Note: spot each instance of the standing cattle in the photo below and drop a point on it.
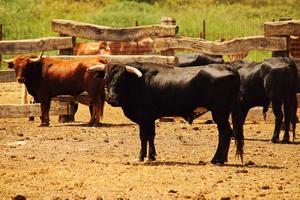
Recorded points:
(46, 78)
(273, 80)
(147, 92)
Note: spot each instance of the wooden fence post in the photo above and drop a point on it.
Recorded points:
(0, 39)
(287, 52)
(137, 42)
(168, 21)
(68, 51)
(203, 29)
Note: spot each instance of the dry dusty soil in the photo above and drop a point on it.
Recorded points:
(73, 161)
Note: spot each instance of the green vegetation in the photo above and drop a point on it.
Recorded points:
(227, 19)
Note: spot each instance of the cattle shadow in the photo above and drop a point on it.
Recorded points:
(203, 163)
(102, 125)
(251, 166)
(260, 140)
(269, 141)
(172, 163)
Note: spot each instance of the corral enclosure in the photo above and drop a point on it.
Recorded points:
(79, 162)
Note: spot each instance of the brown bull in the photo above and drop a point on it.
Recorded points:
(46, 78)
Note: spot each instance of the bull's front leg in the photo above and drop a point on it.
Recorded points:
(147, 134)
(45, 107)
(151, 136)
(143, 150)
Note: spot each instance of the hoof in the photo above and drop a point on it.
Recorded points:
(44, 125)
(31, 119)
(141, 159)
(96, 124)
(151, 158)
(273, 140)
(217, 162)
(285, 141)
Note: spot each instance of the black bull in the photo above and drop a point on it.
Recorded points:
(147, 92)
(272, 81)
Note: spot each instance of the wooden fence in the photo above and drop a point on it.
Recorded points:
(277, 37)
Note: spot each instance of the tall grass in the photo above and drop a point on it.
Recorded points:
(23, 19)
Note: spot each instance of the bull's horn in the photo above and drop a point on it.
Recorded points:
(133, 70)
(96, 68)
(38, 58)
(8, 60)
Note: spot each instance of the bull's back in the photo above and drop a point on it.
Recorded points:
(184, 90)
(67, 77)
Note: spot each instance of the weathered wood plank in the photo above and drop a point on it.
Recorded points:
(32, 110)
(124, 59)
(104, 33)
(7, 76)
(34, 45)
(282, 28)
(82, 98)
(233, 46)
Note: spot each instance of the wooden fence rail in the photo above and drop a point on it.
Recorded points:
(125, 59)
(234, 46)
(33, 110)
(104, 33)
(34, 45)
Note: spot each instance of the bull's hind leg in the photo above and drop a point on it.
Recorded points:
(225, 133)
(276, 107)
(287, 120)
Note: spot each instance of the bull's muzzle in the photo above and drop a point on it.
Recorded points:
(112, 101)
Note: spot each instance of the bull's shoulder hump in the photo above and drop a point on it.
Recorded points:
(218, 70)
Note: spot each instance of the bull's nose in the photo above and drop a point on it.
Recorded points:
(20, 80)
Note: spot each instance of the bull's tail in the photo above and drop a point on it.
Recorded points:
(294, 115)
(237, 117)
(292, 104)
(237, 122)
(102, 102)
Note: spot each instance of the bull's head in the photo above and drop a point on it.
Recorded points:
(115, 77)
(20, 64)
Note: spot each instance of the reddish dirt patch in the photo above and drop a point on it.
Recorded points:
(78, 162)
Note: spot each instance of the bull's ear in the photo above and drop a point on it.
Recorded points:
(9, 63)
(134, 71)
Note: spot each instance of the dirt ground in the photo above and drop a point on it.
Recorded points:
(73, 161)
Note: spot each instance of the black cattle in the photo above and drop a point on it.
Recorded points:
(198, 59)
(147, 92)
(272, 81)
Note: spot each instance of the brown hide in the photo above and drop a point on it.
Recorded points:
(92, 48)
(50, 77)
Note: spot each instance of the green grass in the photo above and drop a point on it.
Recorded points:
(24, 19)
